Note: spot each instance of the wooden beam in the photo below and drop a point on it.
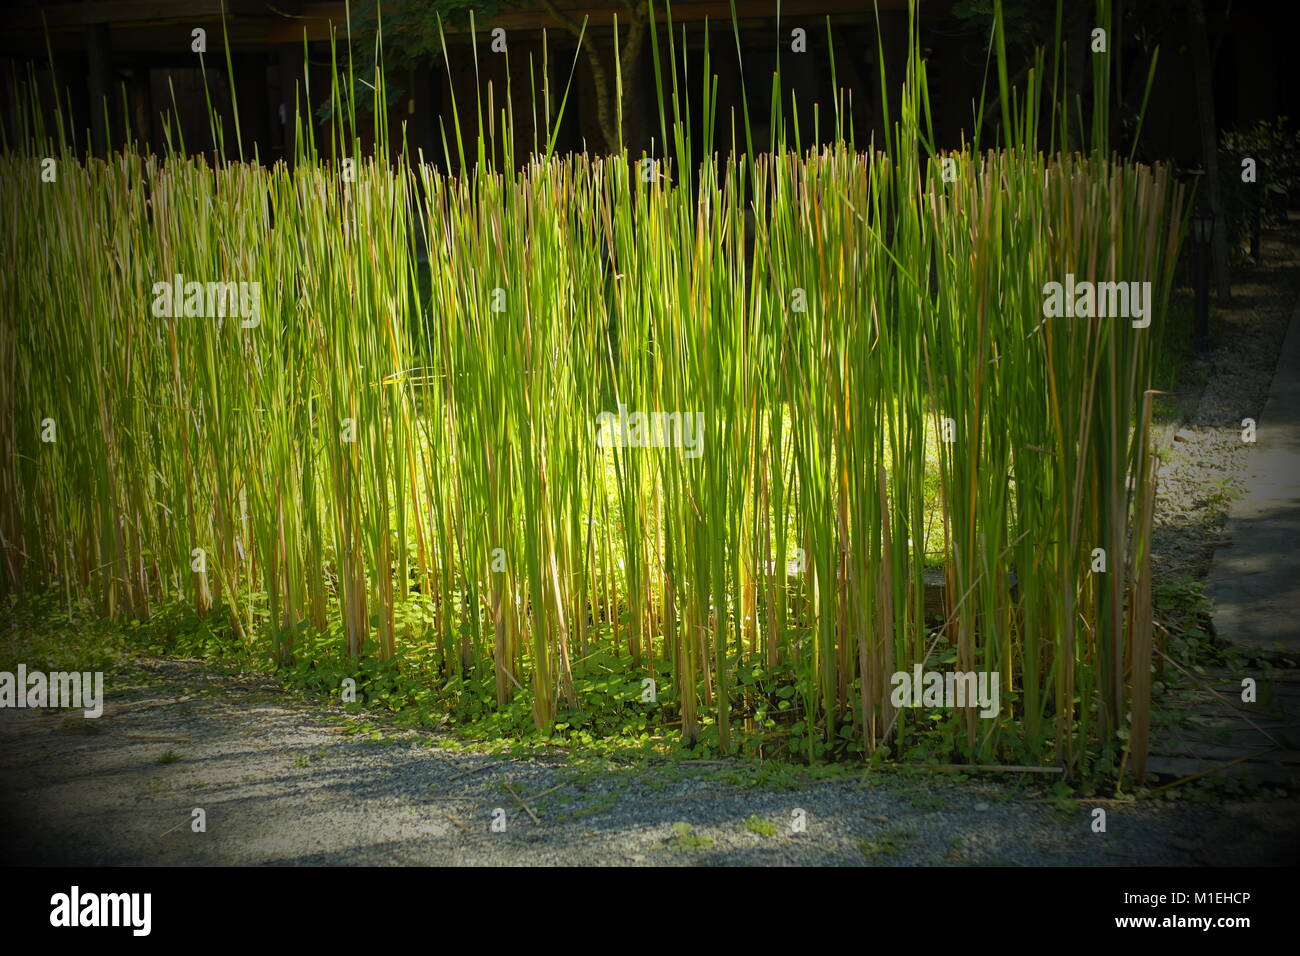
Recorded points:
(152, 25)
(316, 18)
(57, 15)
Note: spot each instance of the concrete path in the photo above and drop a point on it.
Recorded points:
(1254, 581)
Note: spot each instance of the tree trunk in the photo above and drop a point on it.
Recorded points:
(1200, 50)
(606, 114)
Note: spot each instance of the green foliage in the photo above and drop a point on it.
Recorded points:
(889, 844)
(46, 634)
(685, 838)
(406, 37)
(1275, 146)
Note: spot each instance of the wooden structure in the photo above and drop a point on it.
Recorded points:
(138, 54)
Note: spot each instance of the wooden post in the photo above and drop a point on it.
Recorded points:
(291, 87)
(421, 130)
(893, 42)
(99, 84)
(140, 97)
(251, 97)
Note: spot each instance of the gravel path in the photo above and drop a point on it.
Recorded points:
(281, 782)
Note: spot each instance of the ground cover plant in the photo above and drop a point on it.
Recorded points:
(613, 445)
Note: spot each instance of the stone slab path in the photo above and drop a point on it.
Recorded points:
(1254, 581)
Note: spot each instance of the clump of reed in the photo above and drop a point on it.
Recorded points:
(394, 435)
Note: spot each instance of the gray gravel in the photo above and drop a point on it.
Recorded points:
(1204, 456)
(280, 783)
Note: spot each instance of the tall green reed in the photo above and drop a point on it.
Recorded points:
(405, 453)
